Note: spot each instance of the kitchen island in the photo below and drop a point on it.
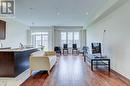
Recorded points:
(14, 61)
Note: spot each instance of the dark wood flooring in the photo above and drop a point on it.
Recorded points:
(72, 71)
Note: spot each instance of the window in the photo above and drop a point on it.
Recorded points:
(40, 39)
(63, 38)
(76, 38)
(70, 38)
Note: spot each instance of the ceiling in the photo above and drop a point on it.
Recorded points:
(57, 12)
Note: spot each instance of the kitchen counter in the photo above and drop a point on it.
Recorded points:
(14, 61)
(16, 50)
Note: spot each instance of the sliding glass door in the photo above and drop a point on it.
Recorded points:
(70, 39)
(40, 39)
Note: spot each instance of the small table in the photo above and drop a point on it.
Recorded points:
(100, 61)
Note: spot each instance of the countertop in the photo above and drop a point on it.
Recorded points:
(16, 50)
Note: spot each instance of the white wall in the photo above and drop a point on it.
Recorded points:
(116, 41)
(15, 33)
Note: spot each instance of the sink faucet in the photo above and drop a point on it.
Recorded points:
(21, 45)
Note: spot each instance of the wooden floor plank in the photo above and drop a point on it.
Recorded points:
(72, 71)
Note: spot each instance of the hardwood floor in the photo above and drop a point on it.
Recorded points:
(72, 71)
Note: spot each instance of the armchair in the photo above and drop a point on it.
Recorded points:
(57, 49)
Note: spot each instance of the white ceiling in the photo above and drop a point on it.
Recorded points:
(57, 12)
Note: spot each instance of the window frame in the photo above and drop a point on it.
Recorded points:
(73, 40)
(42, 34)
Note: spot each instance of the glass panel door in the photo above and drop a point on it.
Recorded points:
(45, 40)
(77, 39)
(70, 39)
(40, 39)
(63, 38)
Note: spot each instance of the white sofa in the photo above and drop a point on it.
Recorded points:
(42, 61)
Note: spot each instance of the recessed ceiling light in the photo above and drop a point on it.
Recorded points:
(30, 8)
(58, 13)
(86, 13)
